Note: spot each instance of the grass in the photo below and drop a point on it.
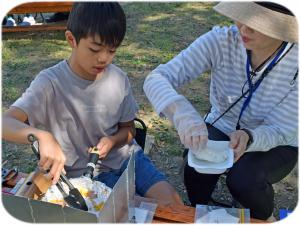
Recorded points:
(156, 32)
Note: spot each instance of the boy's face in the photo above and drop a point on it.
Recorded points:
(90, 57)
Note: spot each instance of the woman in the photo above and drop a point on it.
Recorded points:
(254, 99)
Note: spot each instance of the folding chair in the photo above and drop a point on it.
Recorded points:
(141, 132)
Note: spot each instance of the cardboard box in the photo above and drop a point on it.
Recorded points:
(119, 207)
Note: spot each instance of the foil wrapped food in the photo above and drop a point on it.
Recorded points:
(95, 193)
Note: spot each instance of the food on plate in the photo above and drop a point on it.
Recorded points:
(216, 151)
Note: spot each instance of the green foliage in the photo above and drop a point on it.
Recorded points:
(165, 135)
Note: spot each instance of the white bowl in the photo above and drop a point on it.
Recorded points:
(206, 167)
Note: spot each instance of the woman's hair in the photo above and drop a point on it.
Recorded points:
(106, 19)
(275, 7)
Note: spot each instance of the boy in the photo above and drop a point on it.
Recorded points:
(86, 101)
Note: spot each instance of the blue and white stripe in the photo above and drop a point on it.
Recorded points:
(272, 115)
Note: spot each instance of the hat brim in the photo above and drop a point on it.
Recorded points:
(271, 23)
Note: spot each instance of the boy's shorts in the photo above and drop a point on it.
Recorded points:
(146, 174)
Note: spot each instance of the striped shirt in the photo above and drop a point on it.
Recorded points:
(271, 116)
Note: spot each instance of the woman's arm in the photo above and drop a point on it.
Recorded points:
(199, 57)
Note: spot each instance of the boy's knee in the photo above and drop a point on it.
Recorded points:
(164, 193)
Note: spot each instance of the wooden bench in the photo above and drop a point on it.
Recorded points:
(39, 7)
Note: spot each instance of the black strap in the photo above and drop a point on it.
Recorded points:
(246, 92)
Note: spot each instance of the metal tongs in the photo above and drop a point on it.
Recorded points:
(74, 198)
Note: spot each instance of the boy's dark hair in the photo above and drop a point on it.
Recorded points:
(106, 19)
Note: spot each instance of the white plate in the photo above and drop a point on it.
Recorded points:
(203, 166)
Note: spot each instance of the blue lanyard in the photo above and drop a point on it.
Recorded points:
(253, 87)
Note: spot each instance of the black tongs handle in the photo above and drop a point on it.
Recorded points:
(35, 148)
(34, 145)
(66, 180)
(61, 188)
(74, 198)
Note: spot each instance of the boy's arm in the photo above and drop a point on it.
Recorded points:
(15, 129)
(124, 135)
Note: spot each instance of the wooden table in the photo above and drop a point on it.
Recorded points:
(176, 213)
(39, 7)
(181, 214)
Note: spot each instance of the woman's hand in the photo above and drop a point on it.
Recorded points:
(51, 156)
(238, 142)
(189, 124)
(194, 137)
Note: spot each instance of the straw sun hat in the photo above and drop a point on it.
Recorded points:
(268, 18)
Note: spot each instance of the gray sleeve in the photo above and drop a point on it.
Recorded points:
(129, 106)
(34, 100)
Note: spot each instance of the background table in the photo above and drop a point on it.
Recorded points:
(39, 7)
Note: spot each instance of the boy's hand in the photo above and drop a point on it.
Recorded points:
(104, 146)
(238, 142)
(51, 156)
